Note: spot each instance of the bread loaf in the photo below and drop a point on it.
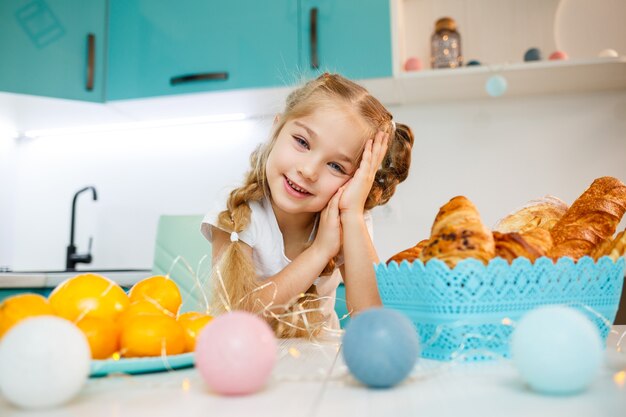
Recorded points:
(542, 213)
(591, 219)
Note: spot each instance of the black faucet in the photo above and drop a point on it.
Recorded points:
(74, 258)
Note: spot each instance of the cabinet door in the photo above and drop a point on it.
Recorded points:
(48, 46)
(160, 47)
(351, 37)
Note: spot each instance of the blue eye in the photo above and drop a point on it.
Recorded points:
(336, 167)
(301, 142)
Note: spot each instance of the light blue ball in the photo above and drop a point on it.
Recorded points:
(496, 85)
(380, 347)
(556, 350)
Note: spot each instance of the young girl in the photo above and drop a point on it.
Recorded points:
(300, 222)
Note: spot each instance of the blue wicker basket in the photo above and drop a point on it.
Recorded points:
(469, 311)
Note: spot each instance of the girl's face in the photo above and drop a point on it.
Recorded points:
(312, 157)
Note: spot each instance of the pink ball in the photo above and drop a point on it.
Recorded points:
(413, 64)
(557, 55)
(235, 353)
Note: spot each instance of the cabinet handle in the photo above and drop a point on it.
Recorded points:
(91, 60)
(182, 79)
(315, 64)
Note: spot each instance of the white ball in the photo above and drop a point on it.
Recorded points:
(608, 53)
(44, 362)
(557, 350)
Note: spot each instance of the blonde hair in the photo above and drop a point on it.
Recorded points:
(235, 279)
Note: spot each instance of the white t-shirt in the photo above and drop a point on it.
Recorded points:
(268, 249)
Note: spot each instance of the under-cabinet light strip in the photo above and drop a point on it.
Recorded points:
(62, 131)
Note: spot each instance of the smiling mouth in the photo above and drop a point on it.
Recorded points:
(297, 188)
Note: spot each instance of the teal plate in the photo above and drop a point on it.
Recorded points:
(135, 366)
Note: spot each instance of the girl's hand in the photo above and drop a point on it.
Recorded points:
(359, 186)
(328, 239)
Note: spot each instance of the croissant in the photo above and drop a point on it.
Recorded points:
(532, 245)
(409, 254)
(539, 238)
(592, 219)
(543, 213)
(457, 234)
(613, 248)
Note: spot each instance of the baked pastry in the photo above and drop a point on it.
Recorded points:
(457, 234)
(591, 219)
(542, 213)
(539, 238)
(613, 248)
(532, 245)
(409, 254)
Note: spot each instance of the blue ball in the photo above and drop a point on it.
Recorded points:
(533, 54)
(473, 63)
(556, 350)
(380, 347)
(496, 85)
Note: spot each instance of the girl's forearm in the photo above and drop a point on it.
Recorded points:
(296, 278)
(359, 256)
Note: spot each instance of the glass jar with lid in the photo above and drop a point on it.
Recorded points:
(445, 45)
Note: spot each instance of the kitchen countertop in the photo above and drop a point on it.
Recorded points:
(50, 279)
(311, 379)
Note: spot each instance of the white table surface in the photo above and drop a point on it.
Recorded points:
(311, 379)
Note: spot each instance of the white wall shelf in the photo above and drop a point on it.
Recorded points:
(524, 79)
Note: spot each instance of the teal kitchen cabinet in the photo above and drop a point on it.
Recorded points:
(105, 50)
(162, 47)
(351, 37)
(53, 48)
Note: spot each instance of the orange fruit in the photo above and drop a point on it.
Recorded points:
(193, 322)
(18, 307)
(142, 307)
(103, 335)
(152, 335)
(158, 289)
(88, 295)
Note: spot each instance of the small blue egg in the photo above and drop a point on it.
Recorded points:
(496, 85)
(472, 63)
(533, 54)
(380, 347)
(557, 350)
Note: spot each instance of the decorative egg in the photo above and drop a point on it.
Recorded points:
(496, 85)
(413, 64)
(44, 362)
(558, 55)
(533, 54)
(380, 347)
(556, 350)
(236, 353)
